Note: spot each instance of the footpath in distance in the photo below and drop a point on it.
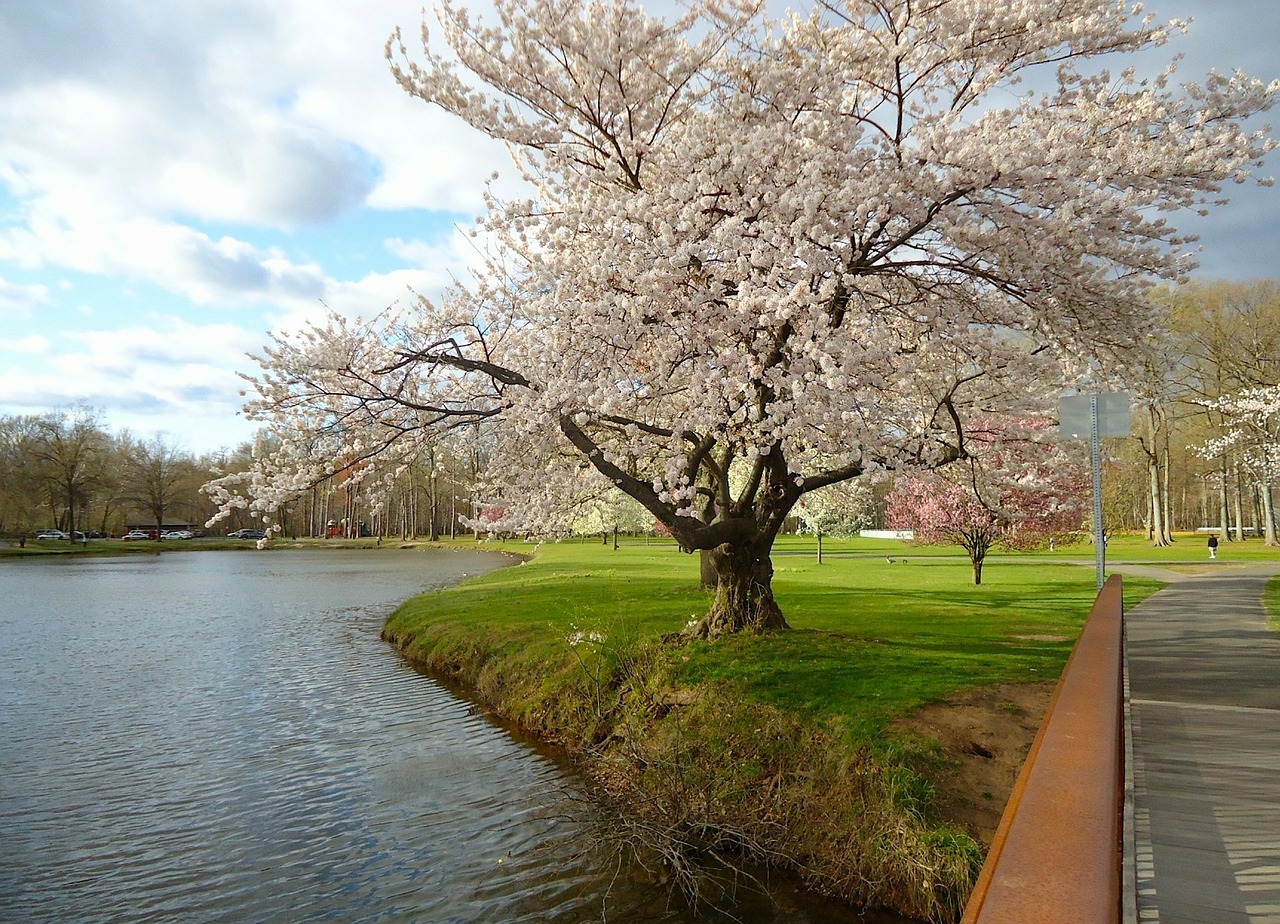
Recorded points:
(1204, 680)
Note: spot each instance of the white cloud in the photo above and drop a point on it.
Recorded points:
(34, 344)
(126, 128)
(427, 158)
(174, 376)
(21, 300)
(432, 266)
(362, 298)
(87, 151)
(275, 114)
(170, 342)
(178, 258)
(454, 255)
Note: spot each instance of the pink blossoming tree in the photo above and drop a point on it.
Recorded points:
(1014, 491)
(762, 257)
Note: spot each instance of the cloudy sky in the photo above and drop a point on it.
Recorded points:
(179, 178)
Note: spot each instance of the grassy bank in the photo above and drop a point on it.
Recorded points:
(790, 747)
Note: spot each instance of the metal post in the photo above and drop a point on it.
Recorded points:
(1108, 415)
(1095, 445)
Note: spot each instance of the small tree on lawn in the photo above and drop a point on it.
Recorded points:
(611, 512)
(1018, 494)
(836, 510)
(805, 250)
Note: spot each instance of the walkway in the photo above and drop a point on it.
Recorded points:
(1204, 676)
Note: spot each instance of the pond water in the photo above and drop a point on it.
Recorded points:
(222, 736)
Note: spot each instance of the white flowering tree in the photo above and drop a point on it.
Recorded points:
(612, 512)
(810, 248)
(1251, 424)
(837, 510)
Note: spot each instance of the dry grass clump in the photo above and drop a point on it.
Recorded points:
(741, 786)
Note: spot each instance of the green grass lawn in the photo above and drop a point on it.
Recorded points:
(872, 639)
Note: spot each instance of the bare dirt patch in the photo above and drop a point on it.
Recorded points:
(985, 736)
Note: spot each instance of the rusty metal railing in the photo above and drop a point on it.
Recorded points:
(1057, 856)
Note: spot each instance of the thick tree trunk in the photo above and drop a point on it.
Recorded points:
(743, 593)
(977, 569)
(709, 578)
(435, 511)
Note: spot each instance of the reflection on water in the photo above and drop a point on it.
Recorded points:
(221, 736)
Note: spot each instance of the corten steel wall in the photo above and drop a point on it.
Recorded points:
(1056, 856)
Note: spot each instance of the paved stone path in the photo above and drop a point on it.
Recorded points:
(1204, 680)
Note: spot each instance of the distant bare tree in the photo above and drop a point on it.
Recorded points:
(154, 477)
(20, 483)
(69, 448)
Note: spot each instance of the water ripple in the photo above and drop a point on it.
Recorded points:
(222, 737)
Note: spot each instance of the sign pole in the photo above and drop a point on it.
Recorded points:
(1098, 415)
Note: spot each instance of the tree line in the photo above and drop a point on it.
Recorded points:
(1206, 429)
(67, 470)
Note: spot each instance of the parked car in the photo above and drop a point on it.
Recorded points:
(249, 534)
(50, 534)
(135, 534)
(178, 534)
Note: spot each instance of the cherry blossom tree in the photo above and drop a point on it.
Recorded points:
(763, 257)
(612, 512)
(1016, 492)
